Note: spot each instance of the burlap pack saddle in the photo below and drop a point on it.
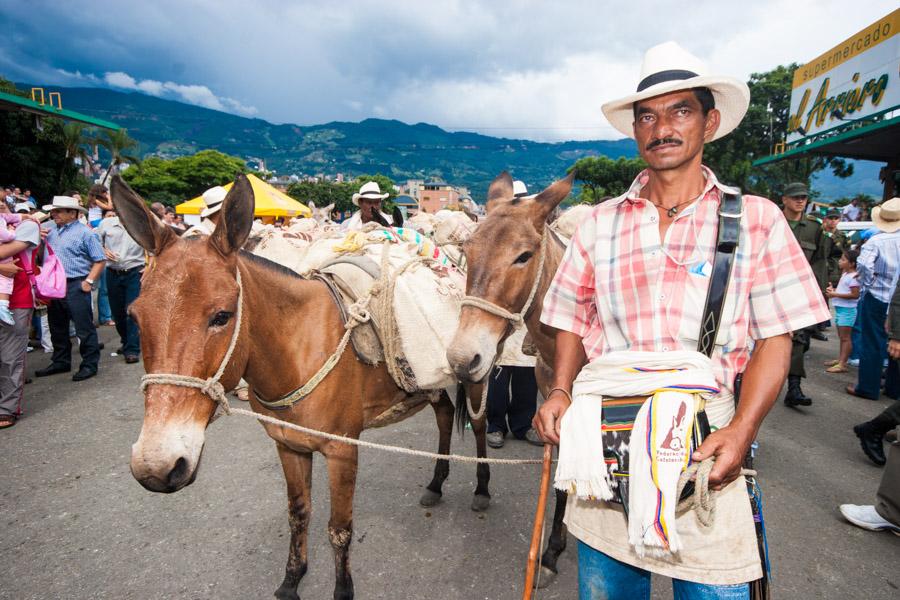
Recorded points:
(619, 414)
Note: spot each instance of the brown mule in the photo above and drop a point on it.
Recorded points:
(503, 257)
(186, 312)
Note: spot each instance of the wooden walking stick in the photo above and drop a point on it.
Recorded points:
(537, 531)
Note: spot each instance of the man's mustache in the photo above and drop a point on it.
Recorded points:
(660, 141)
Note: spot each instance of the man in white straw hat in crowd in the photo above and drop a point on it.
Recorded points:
(878, 268)
(213, 199)
(628, 301)
(82, 258)
(368, 199)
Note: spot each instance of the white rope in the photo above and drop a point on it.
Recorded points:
(393, 449)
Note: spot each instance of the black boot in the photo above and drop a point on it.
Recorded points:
(794, 395)
(871, 436)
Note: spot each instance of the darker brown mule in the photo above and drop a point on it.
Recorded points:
(186, 312)
(503, 257)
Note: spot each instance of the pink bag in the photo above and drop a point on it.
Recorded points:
(50, 282)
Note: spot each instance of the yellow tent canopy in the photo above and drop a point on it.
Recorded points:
(270, 202)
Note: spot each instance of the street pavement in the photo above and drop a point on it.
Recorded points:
(77, 525)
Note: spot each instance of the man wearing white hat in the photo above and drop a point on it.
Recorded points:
(82, 258)
(631, 291)
(213, 199)
(368, 199)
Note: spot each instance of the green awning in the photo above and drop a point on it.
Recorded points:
(13, 102)
(876, 141)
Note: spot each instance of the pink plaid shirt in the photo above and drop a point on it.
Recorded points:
(619, 288)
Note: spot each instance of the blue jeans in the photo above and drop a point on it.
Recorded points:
(871, 313)
(124, 288)
(856, 334)
(603, 578)
(104, 314)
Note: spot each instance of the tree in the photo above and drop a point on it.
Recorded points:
(174, 181)
(601, 176)
(323, 193)
(121, 148)
(763, 126)
(75, 140)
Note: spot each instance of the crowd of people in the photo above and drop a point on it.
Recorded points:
(59, 267)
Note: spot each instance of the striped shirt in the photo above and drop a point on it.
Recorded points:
(878, 265)
(77, 248)
(619, 288)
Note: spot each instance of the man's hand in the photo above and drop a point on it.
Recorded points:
(86, 287)
(728, 445)
(894, 349)
(548, 417)
(9, 269)
(110, 254)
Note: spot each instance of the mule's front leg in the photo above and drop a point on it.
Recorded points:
(443, 413)
(555, 544)
(482, 498)
(298, 475)
(342, 462)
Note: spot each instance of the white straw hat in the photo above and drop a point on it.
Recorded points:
(886, 216)
(519, 189)
(670, 68)
(370, 191)
(64, 203)
(213, 198)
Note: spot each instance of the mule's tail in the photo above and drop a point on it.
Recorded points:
(461, 412)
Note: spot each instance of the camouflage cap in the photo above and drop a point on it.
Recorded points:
(795, 189)
(833, 213)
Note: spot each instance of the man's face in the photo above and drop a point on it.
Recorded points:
(671, 129)
(795, 203)
(63, 216)
(830, 223)
(368, 207)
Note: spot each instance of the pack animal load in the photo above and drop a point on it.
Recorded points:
(406, 287)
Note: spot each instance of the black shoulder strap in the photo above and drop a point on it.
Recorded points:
(731, 209)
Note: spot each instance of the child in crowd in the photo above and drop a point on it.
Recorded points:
(844, 300)
(7, 234)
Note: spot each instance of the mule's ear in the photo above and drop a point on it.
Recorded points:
(501, 190)
(328, 209)
(311, 206)
(143, 226)
(550, 198)
(236, 221)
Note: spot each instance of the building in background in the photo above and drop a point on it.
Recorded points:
(437, 195)
(846, 103)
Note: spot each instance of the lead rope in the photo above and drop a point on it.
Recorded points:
(516, 319)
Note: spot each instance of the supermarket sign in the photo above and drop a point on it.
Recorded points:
(857, 78)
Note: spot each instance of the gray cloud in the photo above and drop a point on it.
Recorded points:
(515, 68)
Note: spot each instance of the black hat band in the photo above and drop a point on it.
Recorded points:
(663, 76)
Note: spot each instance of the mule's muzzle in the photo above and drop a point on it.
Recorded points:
(166, 481)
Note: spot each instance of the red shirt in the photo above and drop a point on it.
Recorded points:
(21, 295)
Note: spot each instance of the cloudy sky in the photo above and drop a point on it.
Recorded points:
(537, 70)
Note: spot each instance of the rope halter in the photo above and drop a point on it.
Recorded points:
(516, 319)
(211, 386)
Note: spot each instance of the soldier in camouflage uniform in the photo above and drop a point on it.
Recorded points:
(840, 242)
(817, 247)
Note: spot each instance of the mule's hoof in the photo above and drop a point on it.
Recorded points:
(545, 578)
(429, 499)
(286, 593)
(480, 503)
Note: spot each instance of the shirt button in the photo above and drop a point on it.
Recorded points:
(662, 296)
(653, 219)
(665, 348)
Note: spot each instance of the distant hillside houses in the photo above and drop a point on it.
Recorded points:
(433, 196)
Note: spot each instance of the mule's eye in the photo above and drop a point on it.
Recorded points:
(523, 258)
(220, 319)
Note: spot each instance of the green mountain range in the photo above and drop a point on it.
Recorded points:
(393, 148)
